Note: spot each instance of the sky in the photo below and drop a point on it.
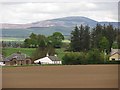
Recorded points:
(28, 12)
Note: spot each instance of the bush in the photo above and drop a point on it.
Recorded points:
(92, 57)
(74, 58)
(95, 57)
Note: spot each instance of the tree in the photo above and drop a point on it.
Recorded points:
(110, 35)
(35, 41)
(56, 39)
(118, 38)
(41, 52)
(31, 41)
(118, 41)
(75, 41)
(80, 39)
(73, 58)
(103, 44)
(108, 32)
(86, 42)
(96, 35)
(94, 57)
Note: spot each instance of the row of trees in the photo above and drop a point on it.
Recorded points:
(35, 40)
(12, 44)
(84, 38)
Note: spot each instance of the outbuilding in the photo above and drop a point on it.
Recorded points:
(48, 60)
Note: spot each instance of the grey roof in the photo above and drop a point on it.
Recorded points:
(54, 58)
(113, 51)
(17, 56)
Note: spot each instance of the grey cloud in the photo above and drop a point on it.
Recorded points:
(30, 12)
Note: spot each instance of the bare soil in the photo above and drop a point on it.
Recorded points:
(79, 76)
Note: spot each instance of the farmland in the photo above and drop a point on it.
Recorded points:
(12, 39)
(30, 51)
(79, 76)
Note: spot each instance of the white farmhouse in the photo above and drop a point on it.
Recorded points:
(48, 60)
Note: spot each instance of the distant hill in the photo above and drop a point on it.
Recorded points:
(64, 25)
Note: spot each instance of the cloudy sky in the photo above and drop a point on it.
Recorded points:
(27, 12)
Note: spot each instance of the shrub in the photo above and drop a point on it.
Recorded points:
(95, 57)
(92, 57)
(74, 58)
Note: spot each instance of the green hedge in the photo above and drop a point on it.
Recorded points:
(92, 57)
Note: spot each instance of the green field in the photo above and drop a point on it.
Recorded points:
(11, 39)
(9, 51)
(22, 39)
(29, 51)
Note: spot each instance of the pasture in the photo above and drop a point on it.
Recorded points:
(12, 39)
(9, 51)
(30, 51)
(71, 76)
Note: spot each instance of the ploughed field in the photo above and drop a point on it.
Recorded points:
(71, 76)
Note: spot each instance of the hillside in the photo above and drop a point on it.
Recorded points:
(64, 25)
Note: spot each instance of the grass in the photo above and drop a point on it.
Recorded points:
(11, 39)
(66, 41)
(28, 51)
(22, 39)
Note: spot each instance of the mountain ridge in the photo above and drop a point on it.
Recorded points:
(48, 27)
(63, 22)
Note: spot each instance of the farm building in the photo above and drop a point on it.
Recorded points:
(115, 55)
(48, 60)
(17, 59)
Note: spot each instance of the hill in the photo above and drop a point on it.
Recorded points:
(64, 25)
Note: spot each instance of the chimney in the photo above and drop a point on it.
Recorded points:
(47, 55)
(55, 55)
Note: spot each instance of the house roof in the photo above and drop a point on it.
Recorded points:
(17, 56)
(114, 54)
(44, 59)
(47, 59)
(54, 58)
(114, 51)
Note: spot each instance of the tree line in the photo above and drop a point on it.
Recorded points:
(92, 45)
(84, 38)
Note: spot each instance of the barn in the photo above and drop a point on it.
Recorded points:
(48, 60)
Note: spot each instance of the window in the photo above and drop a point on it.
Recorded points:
(113, 59)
